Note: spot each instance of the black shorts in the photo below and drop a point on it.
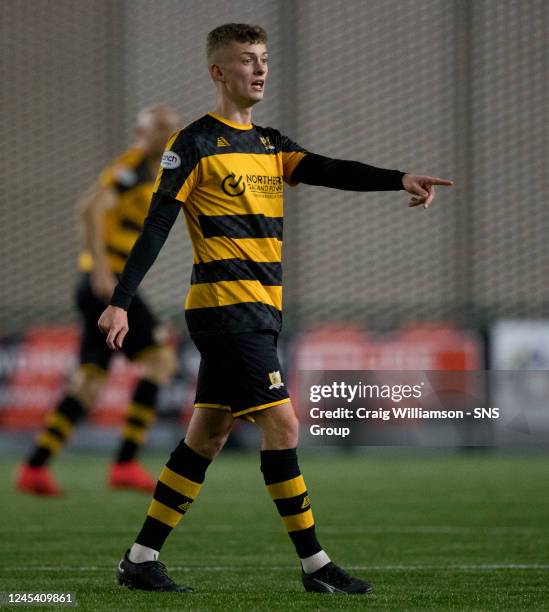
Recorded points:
(240, 373)
(93, 348)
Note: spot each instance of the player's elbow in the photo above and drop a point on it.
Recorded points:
(86, 209)
(94, 202)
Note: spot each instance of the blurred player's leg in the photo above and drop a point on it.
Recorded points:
(34, 475)
(159, 363)
(146, 343)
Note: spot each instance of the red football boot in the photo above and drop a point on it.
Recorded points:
(131, 475)
(37, 481)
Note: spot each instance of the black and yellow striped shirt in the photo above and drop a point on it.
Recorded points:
(131, 178)
(230, 180)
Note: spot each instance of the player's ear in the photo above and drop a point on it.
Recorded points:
(216, 73)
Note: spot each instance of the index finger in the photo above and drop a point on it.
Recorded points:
(439, 181)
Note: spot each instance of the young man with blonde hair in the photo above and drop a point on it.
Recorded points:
(227, 174)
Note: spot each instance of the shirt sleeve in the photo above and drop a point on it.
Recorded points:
(347, 175)
(179, 169)
(291, 154)
(120, 174)
(107, 177)
(162, 215)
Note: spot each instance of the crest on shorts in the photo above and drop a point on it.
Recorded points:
(276, 380)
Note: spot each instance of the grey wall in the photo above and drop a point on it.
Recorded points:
(509, 153)
(55, 134)
(452, 88)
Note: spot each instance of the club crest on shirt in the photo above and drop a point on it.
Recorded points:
(267, 143)
(276, 380)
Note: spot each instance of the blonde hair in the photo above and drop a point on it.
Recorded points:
(238, 32)
(146, 115)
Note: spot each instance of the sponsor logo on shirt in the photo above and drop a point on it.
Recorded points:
(233, 186)
(170, 160)
(261, 185)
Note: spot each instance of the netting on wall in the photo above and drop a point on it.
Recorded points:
(509, 154)
(455, 89)
(377, 90)
(56, 133)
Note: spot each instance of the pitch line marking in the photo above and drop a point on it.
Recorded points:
(426, 529)
(223, 568)
(438, 529)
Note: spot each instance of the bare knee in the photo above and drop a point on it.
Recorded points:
(86, 384)
(279, 427)
(208, 431)
(159, 364)
(208, 447)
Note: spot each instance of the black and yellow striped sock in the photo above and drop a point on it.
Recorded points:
(140, 416)
(289, 492)
(57, 429)
(177, 487)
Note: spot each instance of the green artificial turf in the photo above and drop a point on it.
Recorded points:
(437, 533)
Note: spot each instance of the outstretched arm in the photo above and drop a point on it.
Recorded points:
(356, 176)
(162, 215)
(343, 174)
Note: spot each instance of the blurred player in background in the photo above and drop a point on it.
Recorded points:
(112, 213)
(228, 176)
